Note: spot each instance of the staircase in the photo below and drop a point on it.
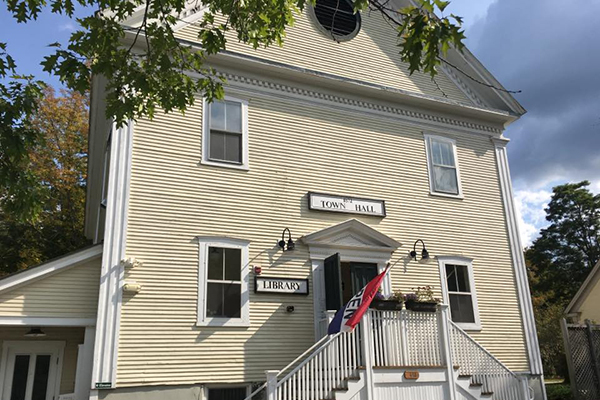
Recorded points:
(370, 363)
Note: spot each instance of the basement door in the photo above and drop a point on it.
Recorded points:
(31, 370)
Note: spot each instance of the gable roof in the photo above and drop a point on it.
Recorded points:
(49, 268)
(590, 282)
(495, 100)
(351, 234)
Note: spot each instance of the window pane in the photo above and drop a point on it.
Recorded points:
(444, 180)
(233, 148)
(217, 146)
(442, 153)
(233, 115)
(233, 302)
(461, 308)
(451, 274)
(40, 379)
(217, 115)
(233, 264)
(19, 381)
(214, 300)
(227, 394)
(462, 276)
(215, 263)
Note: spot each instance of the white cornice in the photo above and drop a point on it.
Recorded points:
(365, 105)
(466, 89)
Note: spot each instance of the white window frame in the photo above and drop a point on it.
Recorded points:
(427, 137)
(204, 244)
(245, 165)
(467, 262)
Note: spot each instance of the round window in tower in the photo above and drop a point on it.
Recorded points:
(337, 19)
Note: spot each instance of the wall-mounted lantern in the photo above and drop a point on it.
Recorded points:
(289, 246)
(424, 252)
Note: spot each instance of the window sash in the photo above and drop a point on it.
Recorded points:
(211, 309)
(459, 291)
(443, 173)
(240, 152)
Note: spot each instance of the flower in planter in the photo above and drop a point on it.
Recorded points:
(422, 294)
(379, 295)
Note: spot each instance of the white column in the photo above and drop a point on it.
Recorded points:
(85, 360)
(318, 293)
(111, 278)
(533, 349)
(443, 326)
(367, 348)
(272, 384)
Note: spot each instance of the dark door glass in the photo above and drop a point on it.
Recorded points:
(40, 379)
(19, 380)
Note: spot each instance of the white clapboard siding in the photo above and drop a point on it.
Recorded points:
(72, 337)
(294, 149)
(69, 294)
(373, 56)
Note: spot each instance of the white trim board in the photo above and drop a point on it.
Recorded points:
(111, 278)
(47, 321)
(50, 268)
(584, 290)
(518, 259)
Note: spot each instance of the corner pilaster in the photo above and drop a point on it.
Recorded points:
(533, 349)
(111, 278)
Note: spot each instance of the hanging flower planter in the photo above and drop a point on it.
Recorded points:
(421, 306)
(421, 300)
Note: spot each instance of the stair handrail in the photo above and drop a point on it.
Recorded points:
(469, 338)
(316, 344)
(330, 338)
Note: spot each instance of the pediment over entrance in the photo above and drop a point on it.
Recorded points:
(351, 234)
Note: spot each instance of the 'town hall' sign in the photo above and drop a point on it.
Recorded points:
(345, 204)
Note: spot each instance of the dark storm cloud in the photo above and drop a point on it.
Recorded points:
(550, 50)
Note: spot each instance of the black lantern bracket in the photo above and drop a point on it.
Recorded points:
(424, 252)
(290, 245)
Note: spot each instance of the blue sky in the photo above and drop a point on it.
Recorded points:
(546, 48)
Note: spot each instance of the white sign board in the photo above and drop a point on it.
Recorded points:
(264, 284)
(345, 204)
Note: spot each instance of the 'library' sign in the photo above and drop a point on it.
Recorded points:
(265, 284)
(345, 204)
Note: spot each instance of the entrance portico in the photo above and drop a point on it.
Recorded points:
(346, 251)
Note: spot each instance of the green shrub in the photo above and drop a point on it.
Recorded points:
(559, 392)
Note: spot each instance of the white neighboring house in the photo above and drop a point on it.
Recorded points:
(326, 144)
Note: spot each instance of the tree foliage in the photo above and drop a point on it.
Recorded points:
(148, 68)
(57, 163)
(559, 260)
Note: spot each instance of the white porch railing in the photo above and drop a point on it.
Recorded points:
(484, 368)
(392, 339)
(406, 338)
(325, 370)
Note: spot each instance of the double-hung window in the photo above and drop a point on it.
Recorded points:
(225, 138)
(459, 291)
(223, 282)
(444, 177)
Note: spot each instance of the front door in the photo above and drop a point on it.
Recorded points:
(344, 279)
(31, 370)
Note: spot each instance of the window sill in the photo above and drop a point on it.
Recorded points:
(243, 167)
(447, 195)
(469, 327)
(214, 322)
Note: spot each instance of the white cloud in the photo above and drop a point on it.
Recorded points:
(69, 26)
(530, 206)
